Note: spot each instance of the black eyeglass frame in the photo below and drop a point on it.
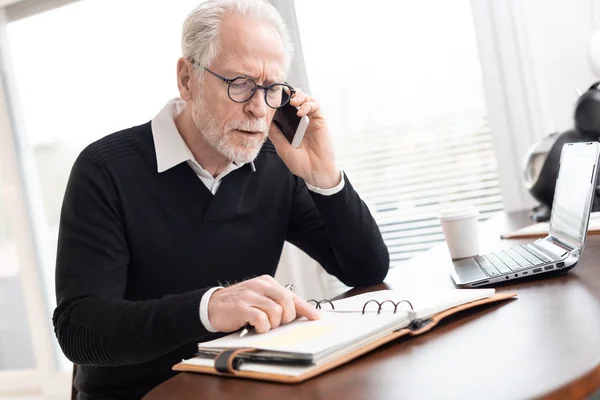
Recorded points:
(256, 86)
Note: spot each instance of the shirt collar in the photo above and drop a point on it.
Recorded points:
(171, 149)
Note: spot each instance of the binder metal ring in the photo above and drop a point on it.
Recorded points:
(386, 301)
(319, 302)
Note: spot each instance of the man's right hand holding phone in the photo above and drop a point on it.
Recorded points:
(314, 161)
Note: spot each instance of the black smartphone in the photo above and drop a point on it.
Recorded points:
(291, 125)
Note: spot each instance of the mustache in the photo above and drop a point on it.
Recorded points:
(259, 125)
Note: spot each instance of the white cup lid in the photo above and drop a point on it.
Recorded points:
(458, 213)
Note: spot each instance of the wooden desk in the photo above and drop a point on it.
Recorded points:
(546, 343)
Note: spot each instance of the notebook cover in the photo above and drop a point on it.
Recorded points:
(350, 356)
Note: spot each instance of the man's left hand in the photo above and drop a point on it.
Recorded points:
(314, 160)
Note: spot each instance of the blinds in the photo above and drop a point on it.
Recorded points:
(407, 173)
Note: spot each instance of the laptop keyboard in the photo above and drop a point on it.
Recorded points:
(511, 260)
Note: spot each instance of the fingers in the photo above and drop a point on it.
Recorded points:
(304, 309)
(298, 98)
(273, 309)
(258, 319)
(281, 296)
(260, 302)
(307, 108)
(307, 104)
(279, 304)
(285, 299)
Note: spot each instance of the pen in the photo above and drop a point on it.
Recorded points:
(248, 326)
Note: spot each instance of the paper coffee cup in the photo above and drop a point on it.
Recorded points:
(460, 226)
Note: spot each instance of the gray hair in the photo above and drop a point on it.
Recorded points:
(200, 37)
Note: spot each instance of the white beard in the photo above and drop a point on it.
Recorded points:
(233, 146)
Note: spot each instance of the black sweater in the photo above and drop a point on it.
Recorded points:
(138, 249)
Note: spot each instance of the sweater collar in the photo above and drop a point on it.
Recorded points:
(171, 149)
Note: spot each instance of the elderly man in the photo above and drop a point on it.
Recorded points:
(158, 218)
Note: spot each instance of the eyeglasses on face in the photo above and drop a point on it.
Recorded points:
(242, 88)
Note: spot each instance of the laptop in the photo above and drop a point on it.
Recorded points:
(561, 249)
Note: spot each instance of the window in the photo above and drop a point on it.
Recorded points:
(401, 87)
(78, 81)
(16, 352)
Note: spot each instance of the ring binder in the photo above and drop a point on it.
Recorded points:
(387, 301)
(287, 356)
(318, 303)
(364, 309)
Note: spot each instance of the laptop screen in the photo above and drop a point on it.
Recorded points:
(574, 191)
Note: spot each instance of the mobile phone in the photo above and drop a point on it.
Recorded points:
(291, 125)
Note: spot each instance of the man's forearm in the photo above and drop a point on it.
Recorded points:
(339, 232)
(105, 331)
(361, 254)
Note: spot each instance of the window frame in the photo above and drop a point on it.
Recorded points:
(16, 163)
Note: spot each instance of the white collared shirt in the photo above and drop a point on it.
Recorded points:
(171, 150)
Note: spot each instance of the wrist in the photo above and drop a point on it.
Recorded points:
(205, 307)
(326, 180)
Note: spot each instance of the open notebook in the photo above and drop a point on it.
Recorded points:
(348, 328)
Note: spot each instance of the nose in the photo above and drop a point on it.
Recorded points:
(257, 105)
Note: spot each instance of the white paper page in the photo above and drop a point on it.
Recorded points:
(445, 300)
(291, 370)
(425, 302)
(312, 337)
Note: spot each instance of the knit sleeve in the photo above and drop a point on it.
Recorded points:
(93, 322)
(339, 232)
